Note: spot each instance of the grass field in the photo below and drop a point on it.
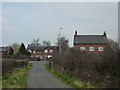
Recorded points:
(17, 78)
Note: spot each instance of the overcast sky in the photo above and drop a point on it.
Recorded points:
(21, 22)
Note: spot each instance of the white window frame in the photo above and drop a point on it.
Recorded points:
(30, 51)
(91, 48)
(82, 48)
(100, 48)
(34, 51)
(46, 51)
(51, 51)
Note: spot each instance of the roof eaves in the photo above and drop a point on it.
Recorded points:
(90, 44)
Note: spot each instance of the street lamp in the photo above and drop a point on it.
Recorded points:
(60, 40)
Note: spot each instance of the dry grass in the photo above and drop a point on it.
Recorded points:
(17, 78)
(102, 70)
(9, 64)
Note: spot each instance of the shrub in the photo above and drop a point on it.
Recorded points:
(20, 63)
(16, 56)
(102, 69)
(8, 65)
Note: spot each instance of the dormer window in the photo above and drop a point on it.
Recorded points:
(46, 51)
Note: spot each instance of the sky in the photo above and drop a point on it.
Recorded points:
(23, 21)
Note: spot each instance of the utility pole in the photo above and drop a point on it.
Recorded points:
(60, 40)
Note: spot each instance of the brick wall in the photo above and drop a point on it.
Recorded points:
(44, 55)
(87, 47)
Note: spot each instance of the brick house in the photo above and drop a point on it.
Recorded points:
(91, 43)
(44, 52)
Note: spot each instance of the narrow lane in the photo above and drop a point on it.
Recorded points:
(39, 77)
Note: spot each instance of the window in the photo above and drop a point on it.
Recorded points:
(33, 51)
(100, 48)
(82, 48)
(51, 51)
(91, 48)
(29, 51)
(46, 51)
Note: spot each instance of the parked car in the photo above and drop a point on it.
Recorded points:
(39, 58)
(49, 56)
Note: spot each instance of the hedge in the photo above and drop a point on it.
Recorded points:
(9, 64)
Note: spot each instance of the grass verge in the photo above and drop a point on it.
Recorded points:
(70, 81)
(17, 78)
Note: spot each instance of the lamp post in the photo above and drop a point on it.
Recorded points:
(60, 40)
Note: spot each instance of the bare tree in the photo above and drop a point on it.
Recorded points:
(46, 43)
(119, 45)
(113, 44)
(62, 42)
(15, 47)
(36, 42)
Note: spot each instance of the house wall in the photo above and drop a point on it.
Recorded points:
(87, 47)
(42, 53)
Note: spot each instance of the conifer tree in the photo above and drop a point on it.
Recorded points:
(22, 49)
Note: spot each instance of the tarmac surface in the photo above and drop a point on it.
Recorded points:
(39, 77)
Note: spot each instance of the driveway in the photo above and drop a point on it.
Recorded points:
(39, 77)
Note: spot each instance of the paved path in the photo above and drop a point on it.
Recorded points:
(39, 77)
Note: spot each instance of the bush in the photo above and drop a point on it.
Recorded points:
(17, 56)
(8, 65)
(102, 69)
(20, 63)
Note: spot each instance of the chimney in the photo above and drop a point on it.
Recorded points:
(104, 34)
(76, 33)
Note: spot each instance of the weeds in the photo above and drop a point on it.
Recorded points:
(72, 82)
(17, 78)
(102, 70)
(8, 65)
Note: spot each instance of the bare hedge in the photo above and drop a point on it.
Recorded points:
(102, 70)
(10, 64)
(17, 56)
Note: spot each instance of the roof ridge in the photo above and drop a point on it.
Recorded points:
(87, 39)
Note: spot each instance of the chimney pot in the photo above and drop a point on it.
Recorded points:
(76, 33)
(104, 34)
